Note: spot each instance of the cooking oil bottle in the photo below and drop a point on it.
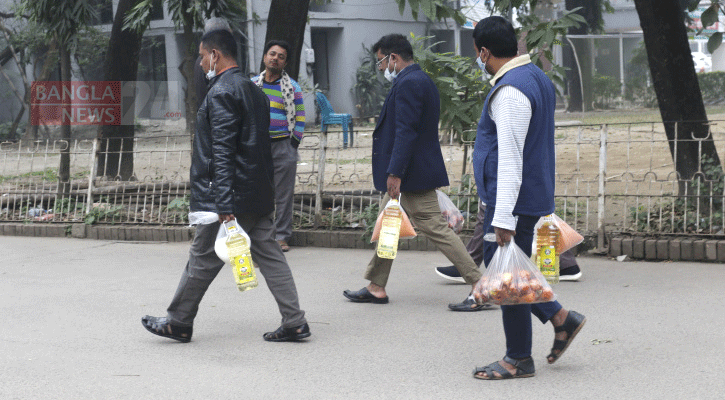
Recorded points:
(240, 256)
(546, 257)
(390, 230)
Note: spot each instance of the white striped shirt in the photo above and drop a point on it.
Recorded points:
(510, 109)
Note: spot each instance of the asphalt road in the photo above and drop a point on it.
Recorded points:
(71, 329)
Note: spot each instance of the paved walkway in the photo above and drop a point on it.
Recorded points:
(71, 329)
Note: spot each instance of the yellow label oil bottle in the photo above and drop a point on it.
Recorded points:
(547, 258)
(240, 256)
(390, 230)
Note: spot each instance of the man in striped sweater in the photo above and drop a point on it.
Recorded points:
(286, 128)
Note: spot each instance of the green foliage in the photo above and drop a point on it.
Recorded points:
(62, 20)
(6, 127)
(186, 13)
(462, 92)
(540, 36)
(90, 53)
(369, 89)
(638, 84)
(434, 10)
(606, 89)
(179, 207)
(369, 216)
(699, 212)
(67, 205)
(709, 17)
(103, 212)
(711, 85)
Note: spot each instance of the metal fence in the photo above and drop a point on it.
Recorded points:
(610, 178)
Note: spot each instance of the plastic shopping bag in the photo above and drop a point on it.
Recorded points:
(568, 237)
(406, 228)
(449, 210)
(220, 244)
(511, 278)
(202, 218)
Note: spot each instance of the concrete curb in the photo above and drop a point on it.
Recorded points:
(674, 249)
(300, 238)
(638, 247)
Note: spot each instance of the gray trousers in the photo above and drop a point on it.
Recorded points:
(284, 159)
(204, 265)
(425, 213)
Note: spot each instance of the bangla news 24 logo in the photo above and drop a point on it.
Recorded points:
(101, 102)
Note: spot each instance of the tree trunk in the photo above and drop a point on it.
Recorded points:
(64, 167)
(187, 71)
(49, 63)
(286, 21)
(115, 158)
(678, 91)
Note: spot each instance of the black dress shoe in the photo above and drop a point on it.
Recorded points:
(162, 327)
(288, 334)
(469, 304)
(364, 296)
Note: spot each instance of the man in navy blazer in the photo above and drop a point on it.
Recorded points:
(408, 162)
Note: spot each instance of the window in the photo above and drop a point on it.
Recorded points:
(157, 10)
(152, 60)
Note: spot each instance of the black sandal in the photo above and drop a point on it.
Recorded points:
(572, 325)
(162, 327)
(524, 369)
(288, 334)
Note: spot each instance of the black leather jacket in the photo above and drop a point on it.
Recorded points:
(231, 165)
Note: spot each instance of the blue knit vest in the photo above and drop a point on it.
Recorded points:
(536, 196)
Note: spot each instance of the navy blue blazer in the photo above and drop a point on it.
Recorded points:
(405, 140)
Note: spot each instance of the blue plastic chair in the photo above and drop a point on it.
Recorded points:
(329, 117)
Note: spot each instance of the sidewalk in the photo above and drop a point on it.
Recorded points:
(71, 330)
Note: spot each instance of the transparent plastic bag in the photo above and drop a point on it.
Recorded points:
(406, 228)
(511, 278)
(202, 218)
(449, 210)
(568, 237)
(220, 244)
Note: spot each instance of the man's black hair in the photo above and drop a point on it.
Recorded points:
(221, 41)
(394, 43)
(497, 35)
(280, 43)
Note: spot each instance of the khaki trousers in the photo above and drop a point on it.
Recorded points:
(425, 213)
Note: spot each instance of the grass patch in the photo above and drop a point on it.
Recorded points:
(46, 175)
(630, 116)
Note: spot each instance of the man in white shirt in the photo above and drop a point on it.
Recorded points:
(514, 166)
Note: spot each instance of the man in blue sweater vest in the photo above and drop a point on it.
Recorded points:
(514, 166)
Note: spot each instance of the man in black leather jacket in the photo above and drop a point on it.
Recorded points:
(232, 176)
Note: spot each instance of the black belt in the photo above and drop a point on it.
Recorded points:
(279, 139)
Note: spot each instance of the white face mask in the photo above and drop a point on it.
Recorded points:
(482, 65)
(391, 75)
(212, 71)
